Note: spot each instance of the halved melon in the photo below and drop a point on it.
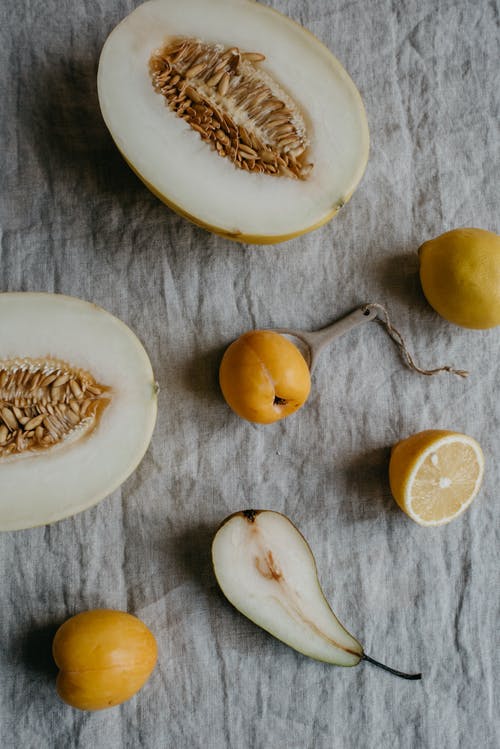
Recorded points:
(234, 115)
(77, 406)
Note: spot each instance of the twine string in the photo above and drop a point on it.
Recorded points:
(384, 320)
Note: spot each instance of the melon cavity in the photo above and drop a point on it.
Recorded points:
(241, 111)
(233, 115)
(45, 403)
(77, 406)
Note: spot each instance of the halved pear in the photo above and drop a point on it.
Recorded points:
(266, 569)
(161, 133)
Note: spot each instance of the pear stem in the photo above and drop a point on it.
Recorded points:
(391, 670)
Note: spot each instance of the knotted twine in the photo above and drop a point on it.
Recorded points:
(398, 339)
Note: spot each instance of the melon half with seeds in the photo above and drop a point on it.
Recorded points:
(234, 115)
(77, 406)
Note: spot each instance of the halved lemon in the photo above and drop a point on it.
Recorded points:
(435, 475)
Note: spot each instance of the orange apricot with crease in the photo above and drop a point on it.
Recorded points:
(104, 657)
(264, 377)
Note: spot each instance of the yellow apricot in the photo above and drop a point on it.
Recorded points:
(104, 657)
(264, 377)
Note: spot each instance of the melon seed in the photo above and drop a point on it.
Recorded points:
(227, 86)
(42, 402)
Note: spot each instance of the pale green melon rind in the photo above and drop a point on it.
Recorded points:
(18, 512)
(241, 238)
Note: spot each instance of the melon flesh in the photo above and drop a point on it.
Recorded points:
(44, 486)
(183, 170)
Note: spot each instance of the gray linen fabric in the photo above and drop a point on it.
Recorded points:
(75, 219)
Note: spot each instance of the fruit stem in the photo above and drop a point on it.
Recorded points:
(391, 670)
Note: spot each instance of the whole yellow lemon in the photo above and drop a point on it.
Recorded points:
(460, 275)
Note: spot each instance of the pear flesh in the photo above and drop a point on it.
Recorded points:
(266, 569)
